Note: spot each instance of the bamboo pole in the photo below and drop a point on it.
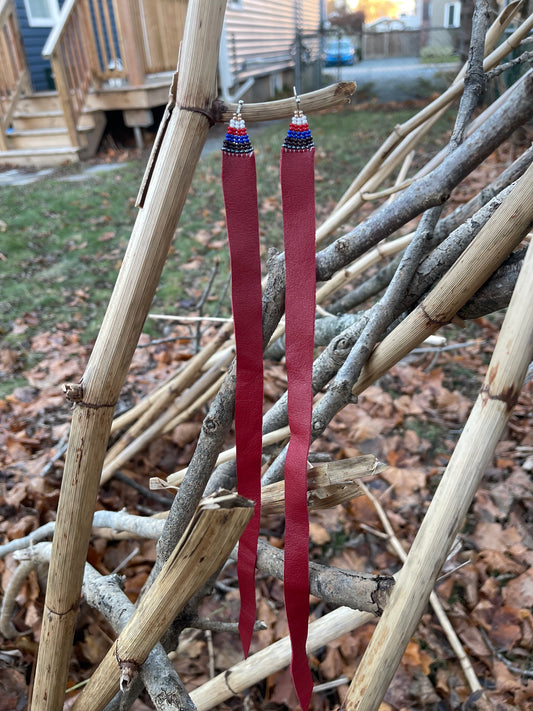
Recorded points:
(203, 548)
(150, 425)
(101, 383)
(473, 453)
(440, 614)
(275, 657)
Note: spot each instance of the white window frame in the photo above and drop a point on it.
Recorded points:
(456, 14)
(48, 21)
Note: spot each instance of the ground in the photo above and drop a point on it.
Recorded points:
(410, 420)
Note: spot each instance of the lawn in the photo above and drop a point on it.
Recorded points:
(61, 242)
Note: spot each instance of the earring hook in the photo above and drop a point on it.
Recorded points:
(297, 99)
(239, 107)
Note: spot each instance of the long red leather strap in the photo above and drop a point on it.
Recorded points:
(297, 189)
(240, 198)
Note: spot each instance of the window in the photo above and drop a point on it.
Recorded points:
(452, 14)
(42, 13)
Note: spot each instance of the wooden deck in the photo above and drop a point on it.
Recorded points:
(104, 56)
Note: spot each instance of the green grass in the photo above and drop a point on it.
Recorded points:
(61, 243)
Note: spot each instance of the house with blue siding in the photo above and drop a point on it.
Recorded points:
(36, 18)
(65, 63)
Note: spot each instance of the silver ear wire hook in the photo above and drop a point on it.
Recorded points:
(239, 107)
(297, 99)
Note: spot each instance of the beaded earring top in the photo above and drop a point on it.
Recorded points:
(299, 134)
(236, 140)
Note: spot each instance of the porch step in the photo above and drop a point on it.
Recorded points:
(38, 125)
(40, 102)
(39, 157)
(38, 138)
(23, 121)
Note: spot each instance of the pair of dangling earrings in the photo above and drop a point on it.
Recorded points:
(239, 183)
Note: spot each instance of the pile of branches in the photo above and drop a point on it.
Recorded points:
(456, 267)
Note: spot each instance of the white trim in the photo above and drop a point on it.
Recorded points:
(456, 19)
(43, 21)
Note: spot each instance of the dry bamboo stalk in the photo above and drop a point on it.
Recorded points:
(105, 373)
(402, 173)
(136, 439)
(473, 453)
(494, 242)
(340, 279)
(388, 192)
(204, 547)
(203, 399)
(328, 484)
(472, 126)
(270, 660)
(175, 384)
(184, 405)
(451, 635)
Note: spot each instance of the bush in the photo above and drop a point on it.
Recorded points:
(437, 53)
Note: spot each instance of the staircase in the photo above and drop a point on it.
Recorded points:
(38, 134)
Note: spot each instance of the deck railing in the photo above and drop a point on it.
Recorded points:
(14, 75)
(109, 41)
(84, 50)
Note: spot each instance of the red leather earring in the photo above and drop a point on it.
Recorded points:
(298, 198)
(242, 220)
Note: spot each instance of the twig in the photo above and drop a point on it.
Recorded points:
(61, 448)
(148, 493)
(7, 628)
(522, 59)
(124, 562)
(203, 298)
(445, 623)
(219, 626)
(334, 95)
(210, 653)
(527, 673)
(328, 685)
(348, 588)
(193, 319)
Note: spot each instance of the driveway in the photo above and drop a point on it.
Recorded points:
(396, 78)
